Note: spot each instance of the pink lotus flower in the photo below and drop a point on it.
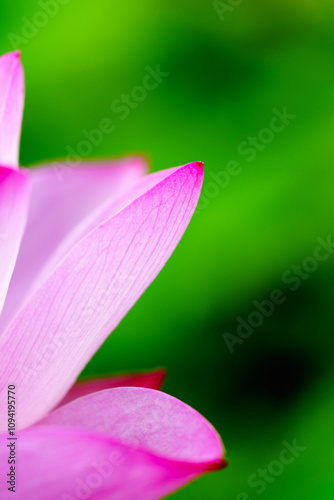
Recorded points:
(75, 256)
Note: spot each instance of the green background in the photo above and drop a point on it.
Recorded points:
(227, 70)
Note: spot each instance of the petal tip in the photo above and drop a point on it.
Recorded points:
(159, 377)
(198, 166)
(218, 465)
(222, 464)
(12, 56)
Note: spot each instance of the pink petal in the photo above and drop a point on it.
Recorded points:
(59, 205)
(57, 463)
(11, 107)
(151, 380)
(62, 325)
(13, 211)
(146, 418)
(125, 443)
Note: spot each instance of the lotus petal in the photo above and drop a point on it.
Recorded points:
(11, 108)
(66, 320)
